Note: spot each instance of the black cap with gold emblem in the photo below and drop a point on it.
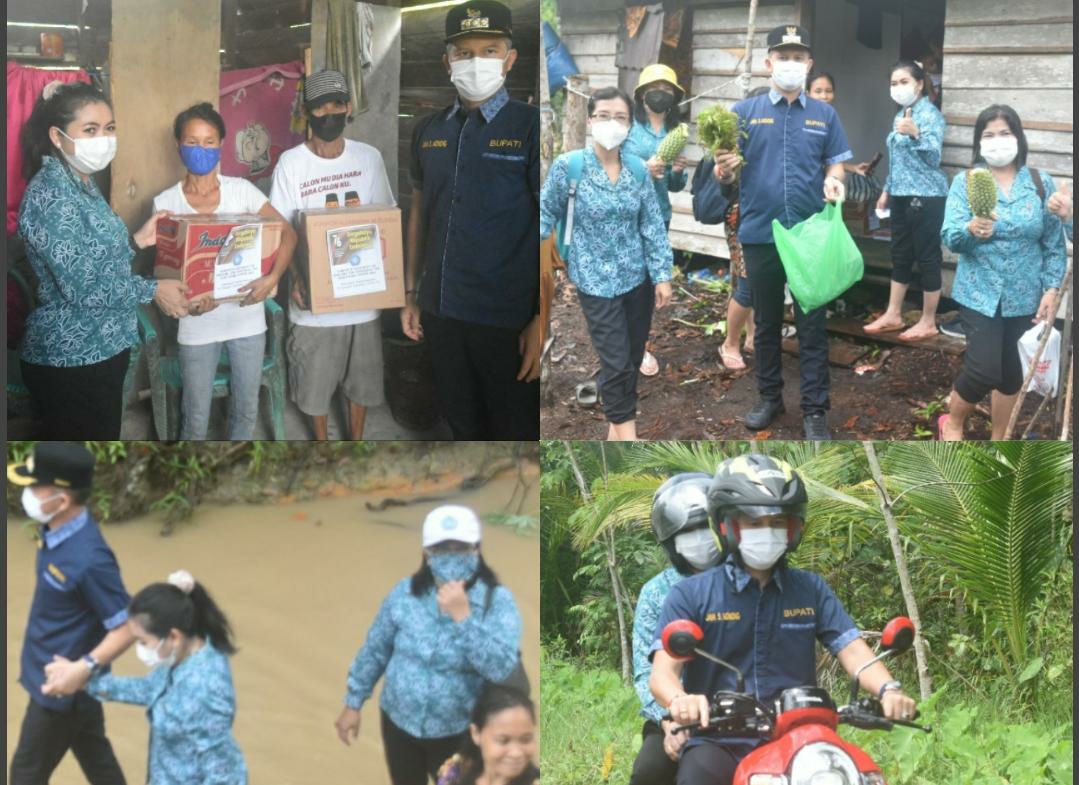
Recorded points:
(63, 464)
(787, 36)
(483, 17)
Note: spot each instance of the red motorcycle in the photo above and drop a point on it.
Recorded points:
(803, 747)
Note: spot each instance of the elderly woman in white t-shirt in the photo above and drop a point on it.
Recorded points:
(240, 326)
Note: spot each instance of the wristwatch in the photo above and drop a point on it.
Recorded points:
(889, 685)
(92, 663)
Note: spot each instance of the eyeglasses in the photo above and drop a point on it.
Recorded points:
(603, 117)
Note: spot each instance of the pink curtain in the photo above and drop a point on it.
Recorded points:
(24, 85)
(261, 111)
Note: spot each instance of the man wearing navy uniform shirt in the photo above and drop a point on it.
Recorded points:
(78, 612)
(756, 613)
(794, 151)
(472, 273)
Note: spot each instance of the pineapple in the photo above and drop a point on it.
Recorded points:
(982, 193)
(673, 143)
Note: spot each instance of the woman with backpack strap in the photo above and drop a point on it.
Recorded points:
(1010, 267)
(603, 205)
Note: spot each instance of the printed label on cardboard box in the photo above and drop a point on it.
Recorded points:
(239, 262)
(356, 260)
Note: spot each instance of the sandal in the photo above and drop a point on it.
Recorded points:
(649, 364)
(587, 394)
(732, 361)
(906, 336)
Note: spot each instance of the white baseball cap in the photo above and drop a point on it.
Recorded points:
(451, 522)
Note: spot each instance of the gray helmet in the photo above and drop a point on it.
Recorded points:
(680, 504)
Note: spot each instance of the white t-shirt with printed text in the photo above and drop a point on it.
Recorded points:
(303, 180)
(229, 320)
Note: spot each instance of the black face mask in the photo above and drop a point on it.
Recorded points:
(329, 126)
(659, 101)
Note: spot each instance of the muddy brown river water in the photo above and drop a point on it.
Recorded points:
(301, 583)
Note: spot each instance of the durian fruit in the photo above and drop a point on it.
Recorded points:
(673, 143)
(982, 193)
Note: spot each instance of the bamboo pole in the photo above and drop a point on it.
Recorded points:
(751, 28)
(1065, 360)
(1054, 309)
(1066, 431)
(575, 113)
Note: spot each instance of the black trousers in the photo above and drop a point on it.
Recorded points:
(475, 369)
(82, 402)
(619, 329)
(991, 361)
(916, 222)
(47, 735)
(411, 761)
(767, 278)
(652, 766)
(708, 764)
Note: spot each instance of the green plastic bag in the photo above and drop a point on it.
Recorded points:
(820, 257)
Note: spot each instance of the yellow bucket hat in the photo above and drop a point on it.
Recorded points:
(658, 72)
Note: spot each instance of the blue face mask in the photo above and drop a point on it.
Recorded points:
(198, 159)
(453, 566)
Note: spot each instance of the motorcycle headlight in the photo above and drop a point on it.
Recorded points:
(823, 764)
(873, 779)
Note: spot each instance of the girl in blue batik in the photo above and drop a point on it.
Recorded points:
(191, 704)
(439, 638)
(619, 256)
(915, 190)
(1010, 269)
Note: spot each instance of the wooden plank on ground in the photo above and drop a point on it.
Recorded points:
(842, 354)
(854, 328)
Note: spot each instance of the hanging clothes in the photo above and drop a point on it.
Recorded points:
(672, 28)
(257, 105)
(365, 20)
(637, 51)
(343, 48)
(24, 85)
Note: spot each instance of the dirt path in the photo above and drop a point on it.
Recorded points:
(695, 397)
(301, 583)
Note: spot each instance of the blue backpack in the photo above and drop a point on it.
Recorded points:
(710, 202)
(575, 159)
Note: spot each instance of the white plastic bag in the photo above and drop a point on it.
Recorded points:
(1046, 375)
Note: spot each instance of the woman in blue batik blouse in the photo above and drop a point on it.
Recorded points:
(190, 702)
(619, 256)
(438, 639)
(1010, 268)
(915, 189)
(75, 352)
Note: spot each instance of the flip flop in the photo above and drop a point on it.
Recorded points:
(940, 427)
(892, 329)
(587, 394)
(902, 336)
(649, 365)
(732, 362)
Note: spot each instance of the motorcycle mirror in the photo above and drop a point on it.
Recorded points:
(898, 635)
(680, 639)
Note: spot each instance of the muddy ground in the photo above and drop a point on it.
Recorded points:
(695, 397)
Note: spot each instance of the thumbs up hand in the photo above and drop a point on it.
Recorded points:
(906, 125)
(1060, 202)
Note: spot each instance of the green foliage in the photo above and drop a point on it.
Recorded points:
(718, 128)
(521, 524)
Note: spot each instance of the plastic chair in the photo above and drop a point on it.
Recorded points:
(158, 338)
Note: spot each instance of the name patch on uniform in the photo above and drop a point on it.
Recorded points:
(762, 121)
(817, 123)
(55, 572)
(428, 144)
(723, 616)
(790, 613)
(501, 144)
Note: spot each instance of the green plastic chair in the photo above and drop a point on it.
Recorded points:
(158, 339)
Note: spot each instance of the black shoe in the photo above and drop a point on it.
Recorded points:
(954, 328)
(815, 428)
(763, 412)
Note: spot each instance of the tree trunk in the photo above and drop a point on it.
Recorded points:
(924, 683)
(575, 113)
(546, 118)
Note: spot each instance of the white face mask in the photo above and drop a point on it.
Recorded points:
(761, 548)
(92, 154)
(151, 657)
(698, 547)
(609, 134)
(477, 78)
(904, 95)
(1000, 150)
(32, 505)
(789, 74)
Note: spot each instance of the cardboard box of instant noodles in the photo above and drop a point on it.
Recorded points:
(352, 259)
(216, 253)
